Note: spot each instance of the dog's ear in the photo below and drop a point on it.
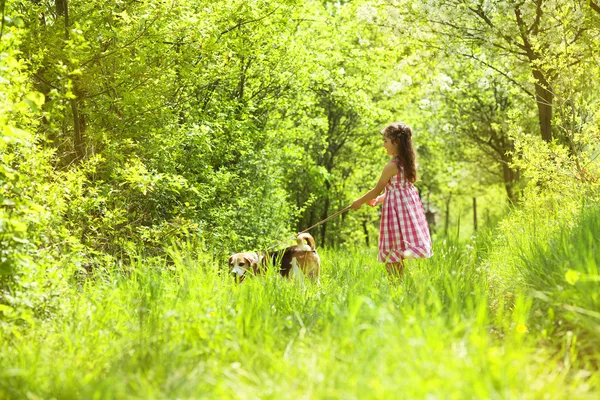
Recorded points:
(230, 260)
(253, 262)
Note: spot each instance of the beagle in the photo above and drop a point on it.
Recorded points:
(293, 261)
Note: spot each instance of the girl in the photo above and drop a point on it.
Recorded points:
(403, 231)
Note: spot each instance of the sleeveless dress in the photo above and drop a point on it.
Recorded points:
(403, 224)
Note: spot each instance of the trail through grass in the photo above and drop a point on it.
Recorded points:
(184, 330)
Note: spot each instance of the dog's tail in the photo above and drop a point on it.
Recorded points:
(309, 239)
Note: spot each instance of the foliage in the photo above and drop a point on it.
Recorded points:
(37, 254)
(183, 95)
(143, 141)
(532, 45)
(162, 145)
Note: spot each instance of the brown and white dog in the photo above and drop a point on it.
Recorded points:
(293, 261)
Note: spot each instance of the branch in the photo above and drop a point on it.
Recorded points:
(524, 35)
(594, 6)
(242, 23)
(478, 40)
(479, 12)
(135, 39)
(538, 17)
(504, 74)
(2, 28)
(38, 77)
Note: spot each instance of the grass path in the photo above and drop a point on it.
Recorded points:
(185, 331)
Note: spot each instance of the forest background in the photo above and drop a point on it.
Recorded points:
(129, 127)
(236, 123)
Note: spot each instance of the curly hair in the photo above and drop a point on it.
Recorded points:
(401, 136)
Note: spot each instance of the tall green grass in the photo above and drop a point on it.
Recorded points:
(183, 329)
(560, 272)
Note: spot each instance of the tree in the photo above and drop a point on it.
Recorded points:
(175, 101)
(511, 37)
(335, 118)
(478, 109)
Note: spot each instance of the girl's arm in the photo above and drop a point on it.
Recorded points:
(388, 172)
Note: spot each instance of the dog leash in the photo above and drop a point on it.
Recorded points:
(308, 229)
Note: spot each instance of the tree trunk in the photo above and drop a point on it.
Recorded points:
(62, 10)
(79, 126)
(2, 5)
(544, 99)
(510, 179)
(543, 91)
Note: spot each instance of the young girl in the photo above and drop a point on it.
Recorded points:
(403, 231)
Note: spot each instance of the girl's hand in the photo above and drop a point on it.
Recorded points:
(356, 204)
(376, 200)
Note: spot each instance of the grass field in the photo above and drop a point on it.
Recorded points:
(470, 323)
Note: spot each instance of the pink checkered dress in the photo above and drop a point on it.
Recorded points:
(403, 224)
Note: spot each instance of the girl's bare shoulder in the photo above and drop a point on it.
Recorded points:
(392, 166)
(390, 170)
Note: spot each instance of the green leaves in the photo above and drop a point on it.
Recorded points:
(34, 100)
(264, 116)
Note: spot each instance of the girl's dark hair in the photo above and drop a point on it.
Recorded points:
(401, 136)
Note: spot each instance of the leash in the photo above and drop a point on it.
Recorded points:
(308, 229)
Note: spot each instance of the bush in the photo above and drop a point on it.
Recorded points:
(32, 272)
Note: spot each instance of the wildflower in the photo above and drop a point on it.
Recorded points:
(520, 328)
(572, 277)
